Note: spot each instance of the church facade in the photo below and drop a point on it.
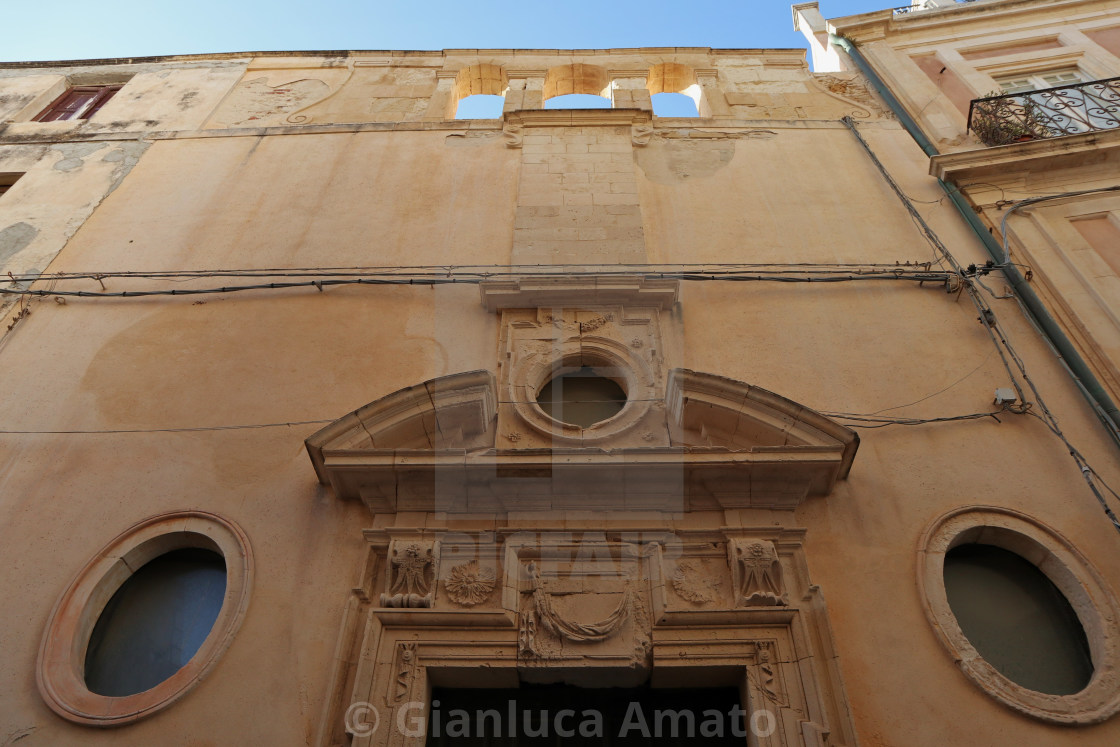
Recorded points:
(331, 418)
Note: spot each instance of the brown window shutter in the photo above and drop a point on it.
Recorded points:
(107, 92)
(79, 102)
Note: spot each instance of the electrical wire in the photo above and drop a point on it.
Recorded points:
(496, 270)
(943, 389)
(940, 250)
(170, 430)
(919, 277)
(1034, 201)
(859, 422)
(856, 418)
(988, 319)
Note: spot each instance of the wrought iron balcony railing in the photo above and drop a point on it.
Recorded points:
(925, 6)
(1047, 112)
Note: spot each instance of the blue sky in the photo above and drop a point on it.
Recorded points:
(69, 29)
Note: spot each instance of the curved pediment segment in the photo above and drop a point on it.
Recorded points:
(449, 412)
(709, 411)
(731, 445)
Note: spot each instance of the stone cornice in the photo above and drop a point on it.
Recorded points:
(357, 55)
(576, 117)
(1033, 155)
(432, 447)
(558, 291)
(879, 24)
(49, 133)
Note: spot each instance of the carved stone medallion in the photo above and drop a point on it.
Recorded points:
(469, 584)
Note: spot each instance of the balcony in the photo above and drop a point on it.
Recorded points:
(927, 5)
(1047, 112)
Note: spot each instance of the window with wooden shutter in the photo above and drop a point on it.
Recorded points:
(79, 102)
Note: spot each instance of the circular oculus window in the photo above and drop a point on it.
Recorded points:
(594, 393)
(146, 619)
(582, 397)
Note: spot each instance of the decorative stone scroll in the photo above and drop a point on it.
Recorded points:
(768, 672)
(757, 573)
(514, 137)
(640, 134)
(411, 570)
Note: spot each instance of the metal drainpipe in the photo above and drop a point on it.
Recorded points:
(1082, 375)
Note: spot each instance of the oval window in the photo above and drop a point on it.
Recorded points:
(146, 619)
(1017, 620)
(156, 622)
(582, 397)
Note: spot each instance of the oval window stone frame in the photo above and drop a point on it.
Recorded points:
(60, 665)
(1060, 561)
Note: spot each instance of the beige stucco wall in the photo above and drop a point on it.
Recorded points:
(374, 192)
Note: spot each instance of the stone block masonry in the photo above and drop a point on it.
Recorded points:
(577, 199)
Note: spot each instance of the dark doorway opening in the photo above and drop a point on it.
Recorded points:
(565, 715)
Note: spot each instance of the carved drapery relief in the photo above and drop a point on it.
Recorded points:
(757, 573)
(542, 611)
(411, 570)
(469, 584)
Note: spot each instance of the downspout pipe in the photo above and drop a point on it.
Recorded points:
(1082, 375)
(903, 117)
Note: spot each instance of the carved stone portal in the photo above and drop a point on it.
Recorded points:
(757, 573)
(590, 609)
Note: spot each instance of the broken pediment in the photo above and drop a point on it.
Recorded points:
(435, 447)
(714, 411)
(446, 413)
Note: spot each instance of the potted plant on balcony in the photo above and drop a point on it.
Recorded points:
(999, 119)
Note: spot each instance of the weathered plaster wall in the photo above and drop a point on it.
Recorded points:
(155, 96)
(19, 92)
(65, 178)
(62, 184)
